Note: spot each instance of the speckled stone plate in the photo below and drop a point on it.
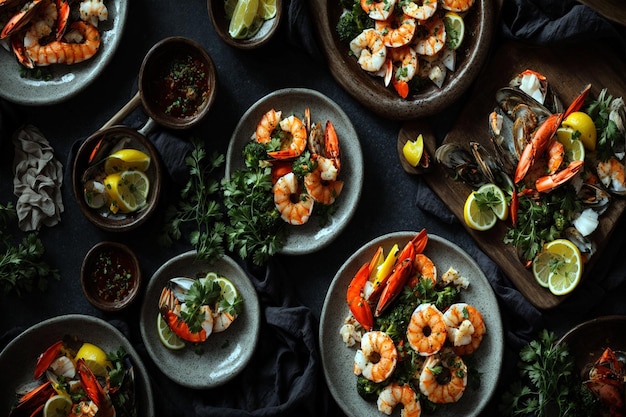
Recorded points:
(309, 237)
(67, 80)
(19, 357)
(337, 358)
(226, 353)
(371, 91)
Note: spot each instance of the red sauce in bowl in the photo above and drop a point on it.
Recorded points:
(111, 276)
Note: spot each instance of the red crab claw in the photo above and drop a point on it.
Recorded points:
(93, 389)
(394, 284)
(32, 403)
(46, 358)
(358, 305)
(578, 101)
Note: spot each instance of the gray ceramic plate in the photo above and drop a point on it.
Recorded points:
(225, 354)
(68, 80)
(337, 358)
(18, 359)
(309, 237)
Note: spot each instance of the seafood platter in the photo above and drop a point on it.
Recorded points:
(36, 361)
(84, 47)
(597, 78)
(342, 190)
(224, 341)
(598, 347)
(416, 60)
(365, 316)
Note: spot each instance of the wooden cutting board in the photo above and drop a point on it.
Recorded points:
(568, 69)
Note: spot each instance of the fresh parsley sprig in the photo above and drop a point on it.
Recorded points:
(21, 266)
(599, 110)
(199, 206)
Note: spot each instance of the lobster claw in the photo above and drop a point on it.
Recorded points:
(394, 285)
(94, 390)
(46, 358)
(358, 305)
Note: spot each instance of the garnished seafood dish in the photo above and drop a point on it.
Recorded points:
(560, 166)
(46, 32)
(411, 331)
(405, 43)
(74, 378)
(191, 310)
(606, 379)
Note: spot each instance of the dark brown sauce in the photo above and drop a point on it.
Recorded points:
(181, 87)
(111, 277)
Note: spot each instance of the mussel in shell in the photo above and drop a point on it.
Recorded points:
(490, 166)
(509, 98)
(461, 163)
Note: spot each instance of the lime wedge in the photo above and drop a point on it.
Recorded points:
(243, 20)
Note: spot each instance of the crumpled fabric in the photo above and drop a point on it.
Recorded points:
(37, 181)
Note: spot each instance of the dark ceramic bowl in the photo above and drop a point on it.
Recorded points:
(100, 144)
(110, 276)
(221, 24)
(173, 54)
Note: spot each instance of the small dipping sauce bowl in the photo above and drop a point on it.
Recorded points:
(110, 276)
(177, 82)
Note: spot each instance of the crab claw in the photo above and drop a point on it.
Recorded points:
(33, 402)
(358, 305)
(94, 390)
(46, 358)
(394, 285)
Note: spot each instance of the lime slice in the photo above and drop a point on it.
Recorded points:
(167, 336)
(477, 217)
(57, 406)
(455, 30)
(267, 9)
(229, 8)
(244, 17)
(574, 148)
(95, 358)
(496, 198)
(125, 160)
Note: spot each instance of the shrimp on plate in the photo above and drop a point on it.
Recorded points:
(378, 10)
(267, 125)
(369, 49)
(296, 137)
(93, 11)
(294, 206)
(377, 358)
(397, 31)
(322, 184)
(402, 67)
(457, 5)
(465, 327)
(426, 332)
(394, 394)
(431, 37)
(425, 269)
(420, 9)
(444, 377)
(171, 309)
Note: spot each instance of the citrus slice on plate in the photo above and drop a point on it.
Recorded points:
(228, 291)
(167, 336)
(413, 150)
(57, 405)
(243, 20)
(95, 358)
(128, 190)
(560, 265)
(125, 160)
(495, 199)
(477, 216)
(267, 9)
(229, 8)
(574, 148)
(455, 29)
(582, 122)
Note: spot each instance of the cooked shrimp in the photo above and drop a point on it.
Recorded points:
(60, 52)
(612, 175)
(269, 122)
(556, 153)
(93, 11)
(294, 206)
(457, 5)
(426, 332)
(431, 37)
(444, 377)
(465, 327)
(378, 10)
(369, 49)
(425, 268)
(322, 191)
(404, 65)
(420, 9)
(351, 332)
(377, 358)
(394, 394)
(296, 138)
(397, 31)
(222, 320)
(171, 309)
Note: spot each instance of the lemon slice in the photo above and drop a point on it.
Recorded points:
(229, 8)
(267, 9)
(167, 336)
(95, 358)
(476, 217)
(228, 291)
(128, 190)
(413, 150)
(495, 195)
(125, 160)
(560, 265)
(455, 30)
(244, 15)
(574, 148)
(583, 123)
(57, 406)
